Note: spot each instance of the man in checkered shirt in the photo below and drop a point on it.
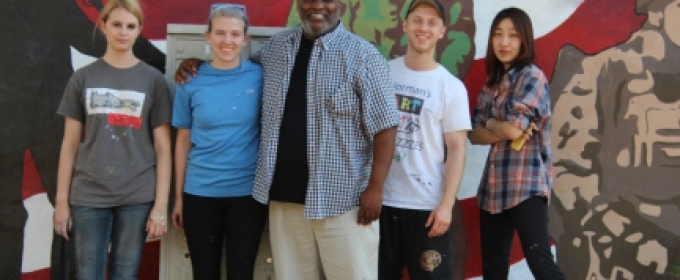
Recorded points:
(328, 136)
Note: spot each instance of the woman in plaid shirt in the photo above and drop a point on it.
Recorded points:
(513, 116)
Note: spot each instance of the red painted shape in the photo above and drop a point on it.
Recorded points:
(473, 261)
(158, 13)
(594, 26)
(149, 268)
(43, 274)
(89, 9)
(31, 183)
(474, 81)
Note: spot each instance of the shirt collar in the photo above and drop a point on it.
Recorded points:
(511, 73)
(329, 39)
(514, 73)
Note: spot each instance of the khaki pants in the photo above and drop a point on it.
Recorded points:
(336, 248)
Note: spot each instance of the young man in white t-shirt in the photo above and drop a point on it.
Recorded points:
(421, 187)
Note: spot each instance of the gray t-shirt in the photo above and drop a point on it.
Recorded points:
(119, 109)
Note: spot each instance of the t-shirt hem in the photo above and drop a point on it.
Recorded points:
(181, 125)
(69, 115)
(219, 196)
(409, 206)
(160, 123)
(107, 205)
(456, 129)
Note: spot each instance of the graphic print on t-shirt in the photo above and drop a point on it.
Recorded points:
(123, 107)
(409, 120)
(409, 104)
(409, 108)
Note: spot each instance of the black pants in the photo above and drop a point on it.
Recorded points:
(237, 220)
(530, 219)
(404, 241)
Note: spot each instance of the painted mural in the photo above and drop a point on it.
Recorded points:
(615, 84)
(617, 154)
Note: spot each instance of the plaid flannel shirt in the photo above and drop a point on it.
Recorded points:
(349, 100)
(510, 176)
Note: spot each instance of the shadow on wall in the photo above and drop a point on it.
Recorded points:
(617, 153)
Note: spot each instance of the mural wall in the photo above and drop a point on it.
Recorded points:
(617, 154)
(615, 86)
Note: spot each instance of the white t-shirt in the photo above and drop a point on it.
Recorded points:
(430, 104)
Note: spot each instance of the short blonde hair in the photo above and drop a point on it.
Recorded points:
(229, 10)
(132, 6)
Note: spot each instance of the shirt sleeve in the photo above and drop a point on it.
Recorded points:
(456, 108)
(379, 109)
(481, 112)
(161, 109)
(181, 110)
(72, 103)
(529, 99)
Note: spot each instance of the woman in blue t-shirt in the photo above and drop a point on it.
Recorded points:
(217, 116)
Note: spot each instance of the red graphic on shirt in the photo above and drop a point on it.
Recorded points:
(125, 120)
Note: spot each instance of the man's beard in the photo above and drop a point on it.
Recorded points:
(309, 31)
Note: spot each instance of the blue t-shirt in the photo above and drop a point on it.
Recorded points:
(222, 109)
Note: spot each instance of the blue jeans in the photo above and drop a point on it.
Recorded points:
(123, 227)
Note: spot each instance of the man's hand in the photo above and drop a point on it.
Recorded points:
(186, 67)
(439, 220)
(370, 205)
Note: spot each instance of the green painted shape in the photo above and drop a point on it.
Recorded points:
(371, 20)
(455, 52)
(454, 13)
(373, 11)
(404, 40)
(293, 17)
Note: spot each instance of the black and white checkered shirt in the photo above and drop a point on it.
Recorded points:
(349, 100)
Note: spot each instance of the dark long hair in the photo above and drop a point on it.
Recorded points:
(526, 55)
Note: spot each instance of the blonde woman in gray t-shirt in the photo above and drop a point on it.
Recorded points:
(115, 163)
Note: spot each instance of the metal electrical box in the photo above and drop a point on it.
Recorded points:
(185, 41)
